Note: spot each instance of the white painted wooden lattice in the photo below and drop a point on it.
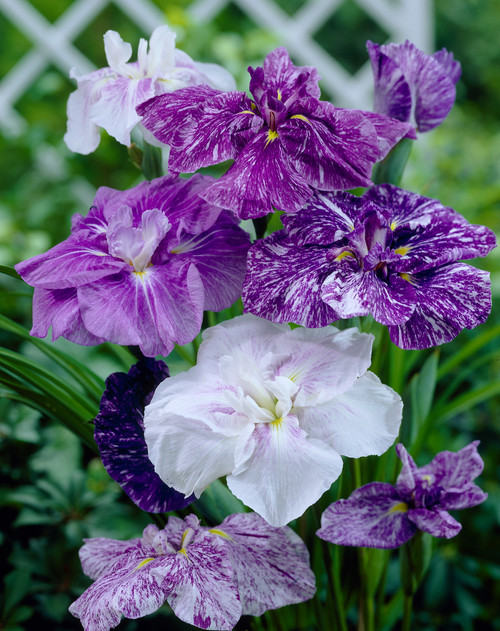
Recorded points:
(52, 43)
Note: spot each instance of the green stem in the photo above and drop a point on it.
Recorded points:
(337, 589)
(151, 162)
(408, 605)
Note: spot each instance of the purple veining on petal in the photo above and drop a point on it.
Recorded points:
(380, 515)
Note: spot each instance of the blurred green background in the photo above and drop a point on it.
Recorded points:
(53, 492)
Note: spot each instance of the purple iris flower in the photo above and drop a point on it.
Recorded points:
(413, 86)
(285, 142)
(140, 268)
(208, 576)
(119, 434)
(379, 515)
(390, 253)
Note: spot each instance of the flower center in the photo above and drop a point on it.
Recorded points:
(136, 245)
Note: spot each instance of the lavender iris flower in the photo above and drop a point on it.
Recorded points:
(413, 86)
(285, 142)
(379, 515)
(390, 253)
(140, 268)
(208, 576)
(119, 434)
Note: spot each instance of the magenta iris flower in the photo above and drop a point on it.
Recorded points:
(390, 253)
(119, 434)
(140, 268)
(208, 576)
(379, 515)
(413, 86)
(285, 142)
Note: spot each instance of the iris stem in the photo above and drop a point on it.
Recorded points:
(407, 611)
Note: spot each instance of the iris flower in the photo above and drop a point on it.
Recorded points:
(285, 142)
(379, 515)
(208, 576)
(273, 409)
(390, 253)
(140, 268)
(108, 97)
(413, 86)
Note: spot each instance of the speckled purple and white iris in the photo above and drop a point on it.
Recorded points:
(210, 577)
(379, 515)
(140, 268)
(413, 86)
(390, 253)
(285, 142)
(273, 409)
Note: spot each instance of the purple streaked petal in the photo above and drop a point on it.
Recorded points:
(438, 523)
(119, 433)
(449, 299)
(333, 148)
(454, 472)
(325, 218)
(392, 93)
(155, 309)
(279, 73)
(103, 556)
(350, 292)
(374, 516)
(72, 263)
(260, 178)
(405, 483)
(219, 255)
(271, 564)
(203, 127)
(447, 60)
(287, 472)
(279, 275)
(199, 585)
(131, 591)
(59, 309)
(389, 132)
(362, 421)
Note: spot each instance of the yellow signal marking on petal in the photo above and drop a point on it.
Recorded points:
(342, 255)
(279, 94)
(401, 507)
(271, 135)
(403, 250)
(277, 423)
(393, 226)
(302, 118)
(184, 552)
(221, 533)
(144, 562)
(406, 277)
(246, 112)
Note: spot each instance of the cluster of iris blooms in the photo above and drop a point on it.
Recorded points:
(273, 409)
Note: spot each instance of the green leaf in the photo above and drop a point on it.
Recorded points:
(217, 502)
(9, 271)
(390, 170)
(422, 389)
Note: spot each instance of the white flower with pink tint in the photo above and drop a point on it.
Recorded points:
(273, 409)
(108, 97)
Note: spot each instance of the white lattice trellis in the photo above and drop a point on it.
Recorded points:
(402, 19)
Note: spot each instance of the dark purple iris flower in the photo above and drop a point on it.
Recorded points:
(119, 434)
(140, 268)
(413, 86)
(285, 142)
(379, 515)
(390, 253)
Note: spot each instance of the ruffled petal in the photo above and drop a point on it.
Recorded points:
(287, 472)
(362, 421)
(449, 299)
(271, 564)
(155, 309)
(101, 556)
(283, 282)
(372, 517)
(438, 523)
